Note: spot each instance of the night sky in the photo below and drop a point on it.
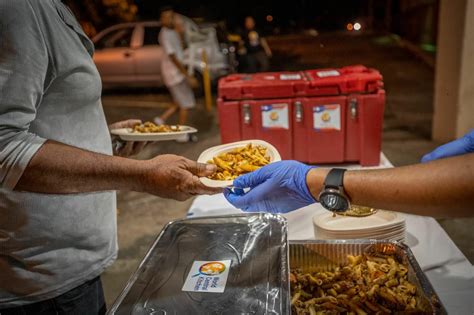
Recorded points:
(332, 14)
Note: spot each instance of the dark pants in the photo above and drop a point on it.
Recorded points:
(86, 299)
(256, 62)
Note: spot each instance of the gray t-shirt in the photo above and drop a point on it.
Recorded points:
(49, 89)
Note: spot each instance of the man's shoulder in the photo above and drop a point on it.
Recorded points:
(22, 7)
(17, 8)
(25, 11)
(23, 18)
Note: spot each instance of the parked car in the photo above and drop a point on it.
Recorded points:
(129, 55)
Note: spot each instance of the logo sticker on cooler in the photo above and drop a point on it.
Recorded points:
(327, 117)
(285, 77)
(207, 276)
(328, 73)
(275, 116)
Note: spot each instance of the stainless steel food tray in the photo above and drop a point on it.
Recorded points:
(325, 255)
(257, 280)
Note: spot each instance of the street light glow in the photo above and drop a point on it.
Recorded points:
(357, 26)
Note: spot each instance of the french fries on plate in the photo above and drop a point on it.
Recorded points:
(242, 160)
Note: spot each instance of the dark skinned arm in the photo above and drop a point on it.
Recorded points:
(191, 80)
(178, 64)
(266, 47)
(62, 169)
(442, 188)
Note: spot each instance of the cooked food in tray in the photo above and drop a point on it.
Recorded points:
(366, 285)
(149, 127)
(239, 161)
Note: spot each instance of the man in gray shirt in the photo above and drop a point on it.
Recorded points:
(58, 175)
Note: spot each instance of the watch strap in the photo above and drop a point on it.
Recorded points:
(335, 178)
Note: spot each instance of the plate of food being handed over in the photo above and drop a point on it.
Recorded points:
(235, 159)
(149, 131)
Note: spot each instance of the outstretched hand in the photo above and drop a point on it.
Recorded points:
(176, 177)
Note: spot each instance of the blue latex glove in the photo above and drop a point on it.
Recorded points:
(457, 147)
(279, 187)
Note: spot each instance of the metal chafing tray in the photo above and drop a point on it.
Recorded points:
(325, 255)
(257, 281)
(260, 260)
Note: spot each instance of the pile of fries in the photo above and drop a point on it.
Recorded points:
(366, 285)
(149, 127)
(231, 165)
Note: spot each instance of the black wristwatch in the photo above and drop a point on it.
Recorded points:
(333, 197)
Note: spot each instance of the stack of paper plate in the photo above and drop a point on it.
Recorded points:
(383, 225)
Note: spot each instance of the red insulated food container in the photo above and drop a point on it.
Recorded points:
(314, 116)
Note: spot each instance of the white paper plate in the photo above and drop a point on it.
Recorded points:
(381, 230)
(215, 151)
(391, 236)
(355, 235)
(399, 239)
(127, 134)
(362, 233)
(378, 220)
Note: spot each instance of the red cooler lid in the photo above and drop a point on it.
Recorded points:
(352, 79)
(262, 85)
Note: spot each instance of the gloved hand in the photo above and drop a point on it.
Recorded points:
(457, 147)
(279, 187)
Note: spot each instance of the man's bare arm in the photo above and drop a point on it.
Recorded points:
(63, 169)
(178, 64)
(59, 168)
(440, 188)
(191, 80)
(266, 47)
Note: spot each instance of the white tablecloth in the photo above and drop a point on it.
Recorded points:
(448, 270)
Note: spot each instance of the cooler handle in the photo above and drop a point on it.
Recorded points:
(353, 108)
(247, 115)
(298, 111)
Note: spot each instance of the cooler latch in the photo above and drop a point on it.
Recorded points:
(247, 115)
(298, 111)
(353, 108)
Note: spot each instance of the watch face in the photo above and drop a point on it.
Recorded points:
(333, 201)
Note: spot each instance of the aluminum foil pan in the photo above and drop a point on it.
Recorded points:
(257, 282)
(325, 255)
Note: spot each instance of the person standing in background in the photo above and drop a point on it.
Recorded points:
(257, 50)
(175, 76)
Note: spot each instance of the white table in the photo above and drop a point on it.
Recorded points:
(448, 270)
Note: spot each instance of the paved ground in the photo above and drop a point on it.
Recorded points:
(409, 85)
